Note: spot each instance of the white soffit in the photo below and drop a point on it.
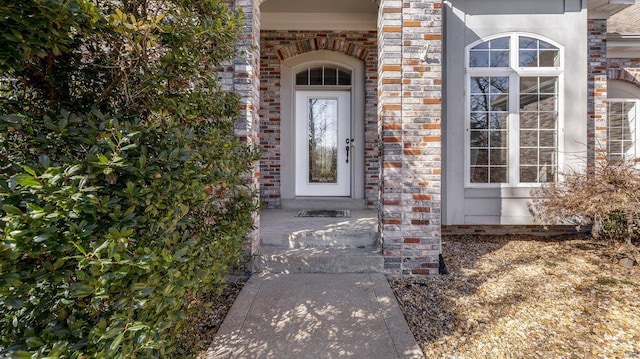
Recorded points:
(603, 9)
(318, 15)
(317, 21)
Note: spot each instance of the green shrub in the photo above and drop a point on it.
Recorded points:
(123, 190)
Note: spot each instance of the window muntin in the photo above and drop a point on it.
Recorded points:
(323, 76)
(534, 52)
(621, 129)
(488, 133)
(513, 94)
(538, 128)
(493, 53)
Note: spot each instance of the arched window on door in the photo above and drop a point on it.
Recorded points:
(323, 76)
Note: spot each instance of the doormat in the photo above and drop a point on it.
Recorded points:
(338, 213)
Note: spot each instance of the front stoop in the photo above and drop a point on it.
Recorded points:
(291, 244)
(319, 260)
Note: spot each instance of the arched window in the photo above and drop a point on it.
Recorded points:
(323, 76)
(513, 110)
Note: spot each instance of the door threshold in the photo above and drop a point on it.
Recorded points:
(336, 203)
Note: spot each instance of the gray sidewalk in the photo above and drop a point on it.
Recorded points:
(315, 316)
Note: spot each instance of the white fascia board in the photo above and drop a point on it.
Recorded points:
(317, 21)
(623, 46)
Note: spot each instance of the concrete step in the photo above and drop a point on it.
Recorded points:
(318, 260)
(281, 228)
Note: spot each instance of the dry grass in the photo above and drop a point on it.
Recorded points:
(523, 297)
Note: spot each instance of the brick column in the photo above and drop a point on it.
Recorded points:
(409, 107)
(246, 83)
(597, 92)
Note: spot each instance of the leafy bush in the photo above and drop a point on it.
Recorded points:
(123, 189)
(607, 200)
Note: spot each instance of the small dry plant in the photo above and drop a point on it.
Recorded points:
(606, 199)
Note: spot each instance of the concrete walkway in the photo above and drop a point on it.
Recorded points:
(315, 316)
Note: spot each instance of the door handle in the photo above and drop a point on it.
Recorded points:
(348, 148)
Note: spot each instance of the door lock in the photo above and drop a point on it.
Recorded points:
(348, 148)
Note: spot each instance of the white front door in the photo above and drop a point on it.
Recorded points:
(323, 151)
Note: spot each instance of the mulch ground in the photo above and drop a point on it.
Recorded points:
(525, 297)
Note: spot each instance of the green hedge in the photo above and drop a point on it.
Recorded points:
(123, 190)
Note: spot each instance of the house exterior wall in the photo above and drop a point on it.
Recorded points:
(409, 111)
(241, 76)
(468, 21)
(278, 46)
(597, 92)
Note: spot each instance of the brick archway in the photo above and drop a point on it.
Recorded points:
(627, 75)
(300, 47)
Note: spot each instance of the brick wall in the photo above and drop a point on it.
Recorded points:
(242, 77)
(597, 92)
(277, 46)
(410, 93)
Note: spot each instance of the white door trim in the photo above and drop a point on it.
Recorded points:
(287, 103)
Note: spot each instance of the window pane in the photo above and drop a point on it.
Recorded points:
(528, 120)
(537, 53)
(479, 157)
(330, 76)
(489, 105)
(315, 76)
(499, 120)
(302, 77)
(527, 43)
(323, 140)
(501, 43)
(528, 85)
(528, 58)
(480, 103)
(547, 138)
(528, 138)
(479, 58)
(494, 53)
(479, 174)
(499, 58)
(549, 58)
(479, 121)
(344, 77)
(498, 139)
(528, 174)
(538, 128)
(479, 139)
(528, 156)
(548, 120)
(497, 174)
(499, 157)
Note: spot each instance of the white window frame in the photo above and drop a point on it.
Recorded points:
(513, 124)
(636, 139)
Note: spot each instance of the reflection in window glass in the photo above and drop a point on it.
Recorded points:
(323, 140)
(524, 150)
(538, 123)
(621, 130)
(489, 137)
(494, 53)
(537, 53)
